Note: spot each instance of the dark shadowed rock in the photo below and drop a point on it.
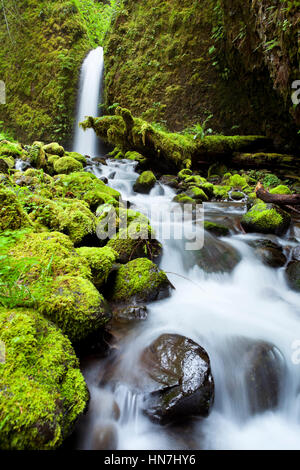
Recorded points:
(180, 379)
(270, 253)
(292, 273)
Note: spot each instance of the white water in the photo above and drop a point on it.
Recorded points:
(91, 77)
(221, 312)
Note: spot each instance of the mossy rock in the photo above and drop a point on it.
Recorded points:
(12, 215)
(145, 182)
(221, 192)
(136, 241)
(237, 195)
(80, 183)
(36, 155)
(53, 249)
(183, 199)
(266, 218)
(185, 173)
(42, 389)
(281, 189)
(67, 165)
(141, 281)
(6, 163)
(77, 156)
(97, 197)
(10, 149)
(100, 260)
(217, 229)
(54, 149)
(136, 156)
(292, 274)
(169, 180)
(74, 304)
(197, 194)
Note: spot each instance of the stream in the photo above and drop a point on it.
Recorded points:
(223, 312)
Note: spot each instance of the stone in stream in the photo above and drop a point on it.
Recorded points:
(270, 253)
(105, 436)
(215, 256)
(264, 375)
(292, 274)
(266, 218)
(144, 182)
(180, 380)
(169, 180)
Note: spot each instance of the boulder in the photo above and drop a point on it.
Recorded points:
(144, 182)
(54, 149)
(292, 274)
(217, 229)
(43, 391)
(12, 214)
(180, 382)
(266, 218)
(66, 165)
(270, 253)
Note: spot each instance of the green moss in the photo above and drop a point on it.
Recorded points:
(12, 215)
(237, 195)
(67, 165)
(265, 218)
(78, 221)
(281, 189)
(139, 279)
(77, 156)
(183, 199)
(236, 181)
(197, 194)
(100, 260)
(10, 149)
(136, 156)
(145, 182)
(183, 174)
(42, 389)
(216, 229)
(74, 304)
(221, 192)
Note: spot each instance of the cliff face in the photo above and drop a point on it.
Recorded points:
(42, 47)
(178, 61)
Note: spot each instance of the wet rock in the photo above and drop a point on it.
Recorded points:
(180, 379)
(104, 179)
(292, 274)
(215, 256)
(266, 218)
(296, 253)
(264, 375)
(144, 182)
(270, 253)
(101, 160)
(169, 180)
(105, 436)
(130, 313)
(217, 229)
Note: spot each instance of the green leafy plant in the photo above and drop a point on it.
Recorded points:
(200, 130)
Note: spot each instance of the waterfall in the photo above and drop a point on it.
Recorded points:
(89, 97)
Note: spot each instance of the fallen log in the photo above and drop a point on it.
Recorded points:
(286, 200)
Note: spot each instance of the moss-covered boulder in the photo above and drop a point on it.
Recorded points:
(78, 221)
(6, 163)
(266, 218)
(281, 189)
(180, 382)
(144, 182)
(74, 304)
(35, 155)
(183, 198)
(292, 274)
(136, 241)
(100, 260)
(54, 149)
(77, 156)
(141, 281)
(42, 389)
(216, 229)
(185, 173)
(12, 214)
(197, 194)
(66, 165)
(169, 180)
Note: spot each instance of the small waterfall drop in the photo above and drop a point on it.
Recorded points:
(89, 97)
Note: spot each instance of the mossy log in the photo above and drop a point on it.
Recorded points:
(279, 199)
(265, 160)
(168, 150)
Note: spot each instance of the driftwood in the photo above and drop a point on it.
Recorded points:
(286, 200)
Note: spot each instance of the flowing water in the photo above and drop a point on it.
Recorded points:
(224, 313)
(89, 97)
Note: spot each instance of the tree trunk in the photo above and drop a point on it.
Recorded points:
(279, 199)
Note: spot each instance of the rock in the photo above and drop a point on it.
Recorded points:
(139, 281)
(54, 149)
(264, 375)
(215, 256)
(104, 437)
(183, 174)
(100, 260)
(169, 180)
(197, 194)
(217, 229)
(183, 198)
(66, 165)
(281, 189)
(12, 215)
(292, 274)
(10, 149)
(42, 389)
(237, 195)
(77, 156)
(130, 313)
(144, 182)
(135, 242)
(180, 379)
(270, 253)
(266, 218)
(74, 304)
(36, 155)
(104, 179)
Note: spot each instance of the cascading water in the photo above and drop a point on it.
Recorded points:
(91, 77)
(222, 312)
